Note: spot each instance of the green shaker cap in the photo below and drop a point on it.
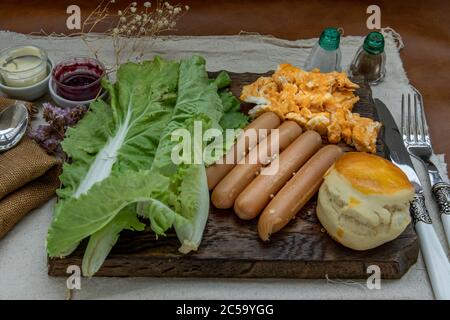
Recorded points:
(374, 43)
(329, 39)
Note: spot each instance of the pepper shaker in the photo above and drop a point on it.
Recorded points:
(369, 62)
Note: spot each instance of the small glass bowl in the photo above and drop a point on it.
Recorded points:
(70, 78)
(64, 103)
(32, 92)
(27, 76)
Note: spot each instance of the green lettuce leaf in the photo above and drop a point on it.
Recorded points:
(232, 118)
(81, 217)
(125, 135)
(101, 242)
(193, 198)
(222, 80)
(230, 103)
(198, 102)
(113, 140)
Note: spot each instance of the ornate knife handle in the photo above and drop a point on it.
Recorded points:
(433, 253)
(418, 209)
(441, 192)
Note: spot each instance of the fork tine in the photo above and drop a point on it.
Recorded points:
(408, 119)
(403, 120)
(417, 131)
(421, 120)
(424, 126)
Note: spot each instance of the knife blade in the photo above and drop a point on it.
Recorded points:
(436, 260)
(395, 149)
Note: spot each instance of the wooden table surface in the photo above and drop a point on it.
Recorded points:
(423, 25)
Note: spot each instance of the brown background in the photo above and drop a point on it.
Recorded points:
(424, 26)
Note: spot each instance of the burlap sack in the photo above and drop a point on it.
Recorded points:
(28, 179)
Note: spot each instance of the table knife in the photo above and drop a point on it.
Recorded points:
(436, 261)
(441, 192)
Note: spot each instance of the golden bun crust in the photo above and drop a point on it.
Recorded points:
(364, 201)
(371, 174)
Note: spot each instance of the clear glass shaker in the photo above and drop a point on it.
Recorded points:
(369, 62)
(326, 54)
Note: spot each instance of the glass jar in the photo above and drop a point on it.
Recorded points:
(78, 79)
(23, 66)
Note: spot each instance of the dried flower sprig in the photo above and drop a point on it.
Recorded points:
(50, 135)
(130, 28)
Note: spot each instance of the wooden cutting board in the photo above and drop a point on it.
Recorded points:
(231, 247)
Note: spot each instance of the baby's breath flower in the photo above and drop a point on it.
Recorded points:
(135, 20)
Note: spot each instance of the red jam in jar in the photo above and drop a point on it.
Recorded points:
(78, 79)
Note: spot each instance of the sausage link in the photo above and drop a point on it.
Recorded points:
(217, 171)
(252, 200)
(226, 192)
(297, 191)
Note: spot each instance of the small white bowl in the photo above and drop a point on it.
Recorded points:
(29, 93)
(64, 103)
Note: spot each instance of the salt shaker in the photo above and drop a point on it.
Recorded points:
(369, 62)
(326, 54)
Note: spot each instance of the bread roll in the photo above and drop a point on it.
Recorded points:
(364, 201)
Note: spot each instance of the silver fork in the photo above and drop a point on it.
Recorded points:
(418, 143)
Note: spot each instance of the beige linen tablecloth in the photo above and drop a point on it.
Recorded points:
(23, 269)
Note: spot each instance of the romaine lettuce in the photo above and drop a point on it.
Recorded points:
(198, 100)
(101, 242)
(111, 140)
(119, 137)
(120, 159)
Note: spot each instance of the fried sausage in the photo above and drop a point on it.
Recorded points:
(297, 191)
(259, 192)
(216, 172)
(227, 190)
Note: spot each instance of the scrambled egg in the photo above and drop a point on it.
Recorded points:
(322, 102)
